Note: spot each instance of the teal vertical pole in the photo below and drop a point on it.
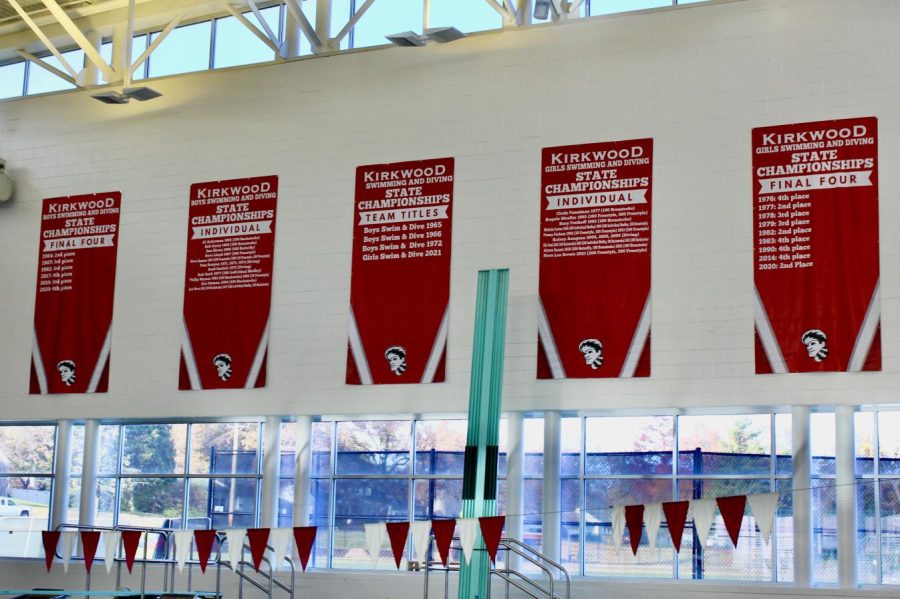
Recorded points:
(479, 497)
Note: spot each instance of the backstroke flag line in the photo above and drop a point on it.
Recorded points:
(817, 302)
(400, 285)
(594, 305)
(73, 305)
(228, 284)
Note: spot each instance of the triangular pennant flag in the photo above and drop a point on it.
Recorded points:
(376, 533)
(732, 509)
(763, 508)
(617, 516)
(652, 520)
(110, 548)
(421, 529)
(703, 511)
(68, 541)
(182, 547)
(676, 515)
(259, 538)
(468, 529)
(443, 537)
(131, 539)
(634, 520)
(397, 532)
(51, 540)
(235, 537)
(304, 537)
(279, 539)
(492, 531)
(89, 541)
(203, 539)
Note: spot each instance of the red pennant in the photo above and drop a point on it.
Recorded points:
(732, 509)
(304, 537)
(398, 532)
(89, 541)
(258, 538)
(130, 541)
(634, 520)
(51, 540)
(676, 515)
(443, 536)
(492, 530)
(204, 541)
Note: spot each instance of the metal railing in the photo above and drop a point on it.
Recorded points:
(162, 554)
(555, 573)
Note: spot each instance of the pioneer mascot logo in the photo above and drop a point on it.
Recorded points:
(222, 362)
(814, 340)
(396, 357)
(593, 352)
(66, 370)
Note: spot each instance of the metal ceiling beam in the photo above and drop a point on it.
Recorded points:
(273, 45)
(500, 8)
(44, 39)
(351, 22)
(265, 25)
(79, 38)
(156, 42)
(308, 30)
(34, 59)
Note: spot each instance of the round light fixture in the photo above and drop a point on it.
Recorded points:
(6, 184)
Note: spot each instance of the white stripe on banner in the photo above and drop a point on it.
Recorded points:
(434, 358)
(767, 336)
(549, 344)
(816, 181)
(256, 366)
(38, 364)
(866, 332)
(359, 354)
(637, 343)
(190, 362)
(101, 362)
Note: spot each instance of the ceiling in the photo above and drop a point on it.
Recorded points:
(36, 8)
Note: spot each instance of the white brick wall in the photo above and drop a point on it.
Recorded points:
(696, 79)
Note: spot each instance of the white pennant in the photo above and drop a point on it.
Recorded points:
(421, 531)
(279, 539)
(652, 520)
(703, 511)
(235, 538)
(110, 547)
(375, 535)
(618, 525)
(68, 541)
(468, 531)
(763, 507)
(182, 547)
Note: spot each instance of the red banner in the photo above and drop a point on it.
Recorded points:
(74, 301)
(817, 305)
(594, 314)
(400, 288)
(228, 284)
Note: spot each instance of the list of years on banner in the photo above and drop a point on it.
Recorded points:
(785, 206)
(78, 229)
(408, 222)
(230, 237)
(599, 212)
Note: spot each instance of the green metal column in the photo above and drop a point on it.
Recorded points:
(479, 497)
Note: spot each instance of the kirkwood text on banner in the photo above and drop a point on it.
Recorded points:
(400, 287)
(76, 284)
(594, 310)
(228, 284)
(815, 189)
